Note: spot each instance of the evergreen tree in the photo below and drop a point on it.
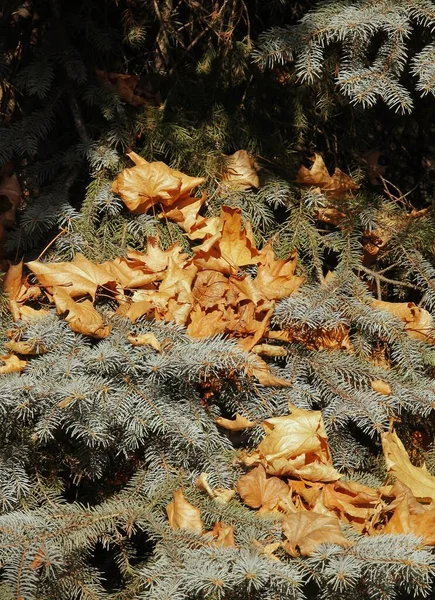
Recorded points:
(110, 417)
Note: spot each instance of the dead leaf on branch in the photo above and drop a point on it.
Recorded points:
(336, 186)
(81, 316)
(256, 490)
(241, 171)
(183, 515)
(238, 424)
(418, 479)
(150, 183)
(11, 364)
(306, 531)
(418, 322)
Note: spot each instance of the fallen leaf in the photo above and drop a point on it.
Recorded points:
(11, 364)
(150, 183)
(256, 490)
(336, 186)
(306, 531)
(419, 323)
(203, 484)
(381, 387)
(145, 339)
(418, 479)
(79, 277)
(224, 535)
(183, 515)
(237, 424)
(124, 84)
(81, 316)
(241, 171)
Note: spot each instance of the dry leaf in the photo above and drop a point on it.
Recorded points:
(150, 183)
(203, 484)
(223, 495)
(275, 279)
(230, 249)
(23, 347)
(77, 278)
(145, 339)
(183, 515)
(419, 323)
(224, 535)
(81, 316)
(237, 424)
(269, 350)
(418, 479)
(256, 490)
(305, 531)
(11, 364)
(123, 84)
(336, 186)
(381, 387)
(241, 171)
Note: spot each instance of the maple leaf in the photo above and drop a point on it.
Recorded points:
(256, 490)
(145, 339)
(418, 479)
(182, 514)
(79, 277)
(124, 84)
(238, 424)
(11, 364)
(224, 535)
(81, 316)
(241, 171)
(336, 186)
(276, 279)
(210, 288)
(306, 531)
(229, 249)
(186, 212)
(12, 286)
(418, 321)
(150, 183)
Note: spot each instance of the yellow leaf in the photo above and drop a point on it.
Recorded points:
(23, 347)
(241, 171)
(81, 316)
(237, 424)
(230, 249)
(183, 515)
(418, 479)
(336, 186)
(256, 490)
(276, 278)
(11, 364)
(145, 339)
(185, 212)
(419, 323)
(305, 531)
(224, 535)
(381, 387)
(147, 184)
(77, 278)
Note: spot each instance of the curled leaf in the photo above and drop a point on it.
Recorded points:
(183, 515)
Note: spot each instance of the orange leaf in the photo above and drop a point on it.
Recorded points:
(12, 364)
(256, 490)
(305, 531)
(241, 171)
(418, 321)
(81, 316)
(79, 277)
(418, 479)
(150, 183)
(183, 515)
(238, 424)
(224, 535)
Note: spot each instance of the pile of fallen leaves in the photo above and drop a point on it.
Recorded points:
(291, 476)
(294, 481)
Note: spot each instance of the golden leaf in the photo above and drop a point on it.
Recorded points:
(124, 84)
(210, 288)
(381, 387)
(241, 171)
(81, 316)
(12, 285)
(230, 249)
(305, 531)
(237, 424)
(203, 484)
(256, 490)
(150, 183)
(185, 212)
(418, 321)
(11, 364)
(336, 186)
(79, 277)
(183, 515)
(23, 347)
(269, 350)
(418, 479)
(224, 535)
(276, 278)
(145, 339)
